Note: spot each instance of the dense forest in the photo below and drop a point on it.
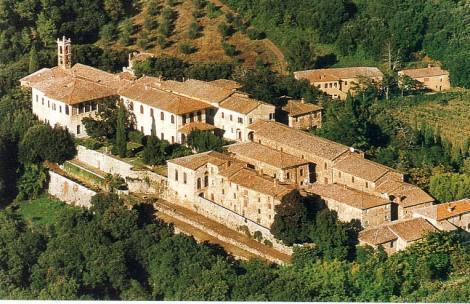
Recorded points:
(395, 32)
(113, 252)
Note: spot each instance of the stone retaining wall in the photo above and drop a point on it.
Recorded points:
(69, 191)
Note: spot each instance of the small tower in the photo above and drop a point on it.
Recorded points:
(64, 53)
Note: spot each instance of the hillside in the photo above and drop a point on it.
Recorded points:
(206, 43)
(448, 113)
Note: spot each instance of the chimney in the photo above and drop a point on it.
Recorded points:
(302, 100)
(351, 149)
(450, 208)
(429, 66)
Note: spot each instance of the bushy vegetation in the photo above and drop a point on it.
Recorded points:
(113, 252)
(367, 32)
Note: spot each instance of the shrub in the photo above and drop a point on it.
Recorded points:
(193, 31)
(152, 8)
(162, 42)
(254, 34)
(225, 30)
(229, 49)
(199, 4)
(257, 235)
(187, 48)
(150, 23)
(213, 10)
(108, 32)
(136, 136)
(268, 243)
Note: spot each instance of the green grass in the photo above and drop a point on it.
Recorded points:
(80, 173)
(42, 211)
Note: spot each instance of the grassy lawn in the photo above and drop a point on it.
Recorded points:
(42, 211)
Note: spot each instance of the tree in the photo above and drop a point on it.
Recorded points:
(301, 55)
(449, 187)
(46, 29)
(43, 143)
(33, 181)
(33, 60)
(121, 133)
(155, 149)
(203, 141)
(114, 8)
(126, 29)
(290, 222)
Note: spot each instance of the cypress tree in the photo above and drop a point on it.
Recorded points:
(33, 60)
(121, 138)
(154, 152)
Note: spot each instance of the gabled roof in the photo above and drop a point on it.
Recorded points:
(266, 155)
(146, 91)
(446, 210)
(297, 139)
(196, 125)
(351, 197)
(241, 103)
(197, 89)
(409, 230)
(196, 161)
(335, 74)
(408, 194)
(298, 108)
(363, 168)
(424, 72)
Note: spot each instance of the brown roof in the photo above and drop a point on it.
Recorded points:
(249, 178)
(446, 210)
(77, 84)
(360, 167)
(297, 108)
(348, 196)
(321, 75)
(409, 195)
(425, 72)
(240, 103)
(147, 92)
(196, 125)
(266, 155)
(226, 84)
(196, 161)
(297, 139)
(197, 89)
(409, 230)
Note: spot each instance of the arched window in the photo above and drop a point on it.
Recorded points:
(162, 116)
(206, 180)
(172, 119)
(199, 183)
(141, 109)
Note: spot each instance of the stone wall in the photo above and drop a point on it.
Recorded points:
(69, 191)
(138, 181)
(231, 219)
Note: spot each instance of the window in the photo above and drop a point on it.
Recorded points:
(60, 109)
(259, 211)
(191, 117)
(199, 183)
(66, 110)
(240, 120)
(345, 83)
(391, 244)
(162, 116)
(206, 180)
(162, 136)
(176, 175)
(172, 139)
(339, 174)
(251, 120)
(271, 116)
(184, 119)
(172, 118)
(367, 185)
(326, 85)
(141, 109)
(37, 98)
(78, 129)
(223, 191)
(131, 106)
(93, 106)
(288, 175)
(48, 103)
(151, 112)
(336, 84)
(231, 117)
(142, 129)
(352, 179)
(199, 116)
(185, 178)
(234, 195)
(331, 85)
(42, 100)
(301, 172)
(222, 114)
(325, 166)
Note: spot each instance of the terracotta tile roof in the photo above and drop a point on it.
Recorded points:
(424, 72)
(321, 75)
(197, 89)
(240, 103)
(409, 230)
(78, 84)
(196, 125)
(266, 155)
(363, 168)
(226, 84)
(446, 210)
(251, 179)
(297, 139)
(409, 195)
(147, 92)
(196, 161)
(342, 194)
(297, 108)
(377, 235)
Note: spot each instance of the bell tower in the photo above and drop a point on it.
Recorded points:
(64, 53)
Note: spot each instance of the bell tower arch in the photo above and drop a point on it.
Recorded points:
(64, 53)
